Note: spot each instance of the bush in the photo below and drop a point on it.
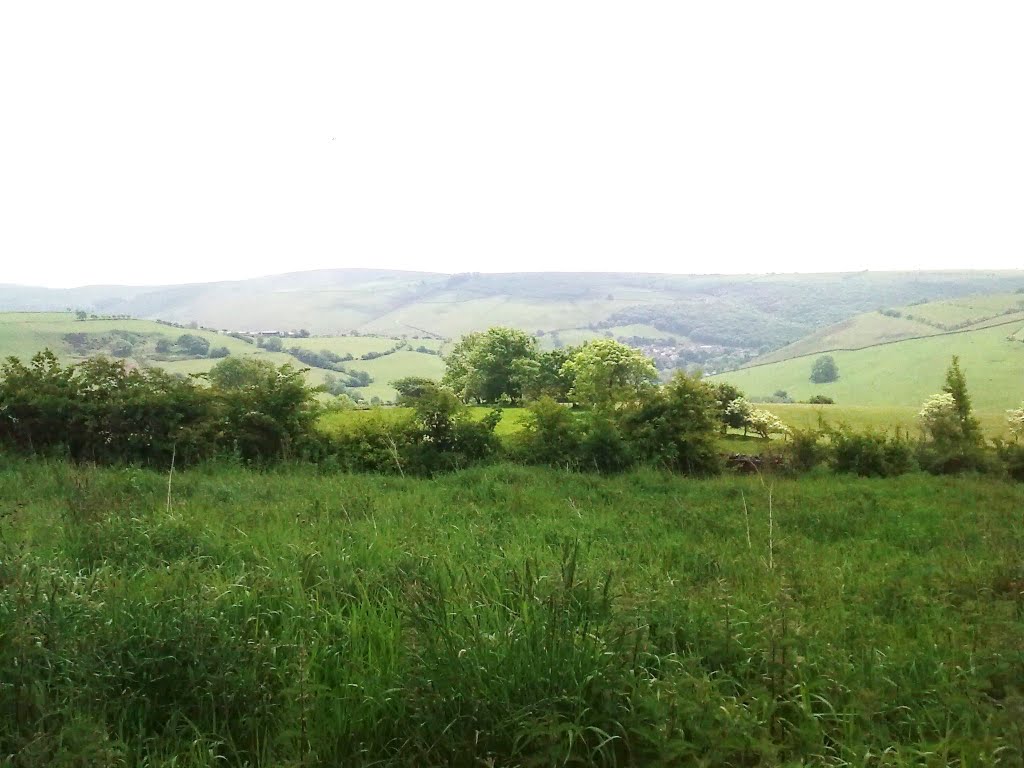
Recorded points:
(805, 450)
(821, 400)
(676, 426)
(872, 454)
(1012, 457)
(602, 447)
(550, 435)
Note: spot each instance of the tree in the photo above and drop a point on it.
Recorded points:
(545, 376)
(273, 344)
(725, 395)
(458, 363)
(737, 414)
(956, 386)
(824, 370)
(193, 345)
(491, 366)
(675, 426)
(412, 388)
(219, 352)
(236, 373)
(269, 412)
(954, 438)
(765, 423)
(607, 374)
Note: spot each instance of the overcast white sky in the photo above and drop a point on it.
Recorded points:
(187, 141)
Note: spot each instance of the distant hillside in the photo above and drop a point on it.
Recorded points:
(904, 373)
(914, 321)
(712, 321)
(146, 343)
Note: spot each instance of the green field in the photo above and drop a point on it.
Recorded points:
(928, 319)
(904, 373)
(22, 334)
(873, 417)
(339, 421)
(506, 616)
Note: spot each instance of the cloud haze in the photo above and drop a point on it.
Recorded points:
(147, 143)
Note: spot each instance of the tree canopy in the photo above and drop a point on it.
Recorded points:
(606, 373)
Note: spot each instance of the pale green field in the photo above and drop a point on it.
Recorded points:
(873, 328)
(24, 334)
(338, 421)
(577, 336)
(871, 417)
(860, 331)
(345, 345)
(967, 309)
(904, 373)
(386, 369)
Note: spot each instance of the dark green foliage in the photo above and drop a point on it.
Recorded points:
(872, 454)
(551, 435)
(439, 436)
(675, 426)
(268, 412)
(271, 343)
(192, 345)
(547, 376)
(100, 411)
(412, 388)
(1012, 457)
(955, 443)
(492, 366)
(219, 352)
(821, 400)
(602, 446)
(806, 449)
(824, 370)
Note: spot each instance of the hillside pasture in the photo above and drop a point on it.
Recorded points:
(903, 373)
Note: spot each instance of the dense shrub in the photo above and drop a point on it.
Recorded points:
(872, 454)
(550, 435)
(101, 411)
(675, 426)
(805, 450)
(602, 446)
(1012, 457)
(438, 436)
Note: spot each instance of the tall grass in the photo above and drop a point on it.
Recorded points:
(506, 616)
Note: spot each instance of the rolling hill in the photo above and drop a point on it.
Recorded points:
(715, 322)
(908, 322)
(904, 373)
(22, 334)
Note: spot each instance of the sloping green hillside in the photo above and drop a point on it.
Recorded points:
(22, 334)
(906, 322)
(904, 373)
(745, 315)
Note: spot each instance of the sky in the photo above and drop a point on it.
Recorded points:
(154, 143)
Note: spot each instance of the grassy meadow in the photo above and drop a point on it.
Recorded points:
(904, 373)
(507, 616)
(23, 334)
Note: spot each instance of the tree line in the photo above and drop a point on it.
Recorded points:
(597, 407)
